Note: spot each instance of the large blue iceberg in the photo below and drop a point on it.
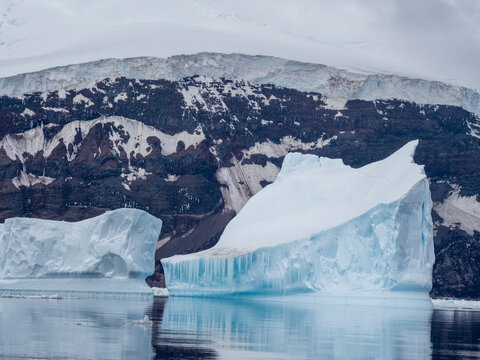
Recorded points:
(325, 227)
(110, 253)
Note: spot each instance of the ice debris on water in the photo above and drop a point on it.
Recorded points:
(160, 292)
(456, 304)
(43, 297)
(144, 321)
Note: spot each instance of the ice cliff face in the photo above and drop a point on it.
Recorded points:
(336, 85)
(117, 244)
(322, 226)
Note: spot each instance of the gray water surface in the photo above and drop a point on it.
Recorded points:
(241, 328)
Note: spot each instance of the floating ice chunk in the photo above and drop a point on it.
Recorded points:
(322, 226)
(455, 304)
(30, 297)
(114, 244)
(116, 248)
(160, 292)
(145, 321)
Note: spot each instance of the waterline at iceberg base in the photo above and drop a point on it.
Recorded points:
(110, 254)
(322, 227)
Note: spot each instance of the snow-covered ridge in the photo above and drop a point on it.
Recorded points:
(127, 135)
(335, 84)
(322, 226)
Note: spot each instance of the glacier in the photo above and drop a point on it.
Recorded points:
(336, 85)
(111, 253)
(324, 227)
(359, 35)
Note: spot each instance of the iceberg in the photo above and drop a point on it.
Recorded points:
(324, 227)
(111, 253)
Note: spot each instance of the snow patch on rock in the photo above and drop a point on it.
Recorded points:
(27, 112)
(172, 178)
(27, 179)
(33, 141)
(474, 129)
(79, 99)
(207, 94)
(286, 144)
(240, 181)
(120, 97)
(458, 210)
(54, 109)
(127, 136)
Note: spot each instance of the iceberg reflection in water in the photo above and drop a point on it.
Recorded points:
(34, 328)
(298, 327)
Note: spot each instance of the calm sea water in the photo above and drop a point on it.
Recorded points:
(195, 328)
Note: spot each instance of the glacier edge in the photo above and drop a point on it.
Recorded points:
(337, 85)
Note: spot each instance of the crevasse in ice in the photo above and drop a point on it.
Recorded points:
(108, 253)
(322, 226)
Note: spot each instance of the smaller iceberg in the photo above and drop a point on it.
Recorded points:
(109, 254)
(160, 292)
(324, 227)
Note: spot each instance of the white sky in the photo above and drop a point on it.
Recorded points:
(433, 39)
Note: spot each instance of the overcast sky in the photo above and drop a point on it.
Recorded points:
(433, 39)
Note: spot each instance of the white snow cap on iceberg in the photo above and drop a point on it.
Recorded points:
(322, 226)
(119, 244)
(313, 194)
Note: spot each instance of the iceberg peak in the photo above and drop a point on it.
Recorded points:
(322, 226)
(309, 184)
(298, 162)
(406, 153)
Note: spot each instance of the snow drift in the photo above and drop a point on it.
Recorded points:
(44, 254)
(322, 226)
